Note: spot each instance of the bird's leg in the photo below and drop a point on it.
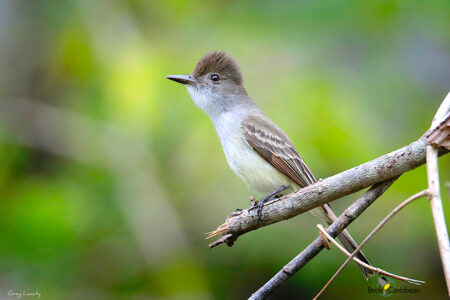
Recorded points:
(260, 205)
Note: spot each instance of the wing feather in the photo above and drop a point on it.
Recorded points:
(272, 144)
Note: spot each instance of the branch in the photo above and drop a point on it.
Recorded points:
(380, 169)
(317, 245)
(370, 235)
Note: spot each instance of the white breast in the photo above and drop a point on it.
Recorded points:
(257, 173)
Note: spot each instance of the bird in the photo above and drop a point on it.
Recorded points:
(256, 149)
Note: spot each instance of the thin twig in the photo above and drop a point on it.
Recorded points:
(298, 262)
(367, 266)
(434, 194)
(438, 213)
(371, 234)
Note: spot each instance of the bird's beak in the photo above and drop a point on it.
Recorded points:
(184, 79)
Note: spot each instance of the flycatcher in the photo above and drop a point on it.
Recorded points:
(257, 150)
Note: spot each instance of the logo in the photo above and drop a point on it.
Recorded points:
(387, 287)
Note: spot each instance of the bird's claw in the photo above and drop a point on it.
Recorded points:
(259, 209)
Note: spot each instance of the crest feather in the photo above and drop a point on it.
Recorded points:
(218, 62)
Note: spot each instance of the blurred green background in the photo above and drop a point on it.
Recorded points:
(110, 176)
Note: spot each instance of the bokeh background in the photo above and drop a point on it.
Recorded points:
(110, 176)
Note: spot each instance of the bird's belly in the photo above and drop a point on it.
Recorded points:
(257, 173)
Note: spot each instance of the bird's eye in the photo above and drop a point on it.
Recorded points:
(215, 77)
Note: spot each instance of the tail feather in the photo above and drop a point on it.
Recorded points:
(351, 246)
(327, 215)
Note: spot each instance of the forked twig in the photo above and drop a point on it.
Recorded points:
(370, 235)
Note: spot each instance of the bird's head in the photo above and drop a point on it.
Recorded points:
(215, 85)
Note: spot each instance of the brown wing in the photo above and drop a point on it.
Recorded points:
(272, 144)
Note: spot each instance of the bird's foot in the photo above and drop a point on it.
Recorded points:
(259, 205)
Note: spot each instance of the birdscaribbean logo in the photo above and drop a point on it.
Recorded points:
(387, 287)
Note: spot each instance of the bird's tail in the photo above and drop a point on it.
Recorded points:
(327, 215)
